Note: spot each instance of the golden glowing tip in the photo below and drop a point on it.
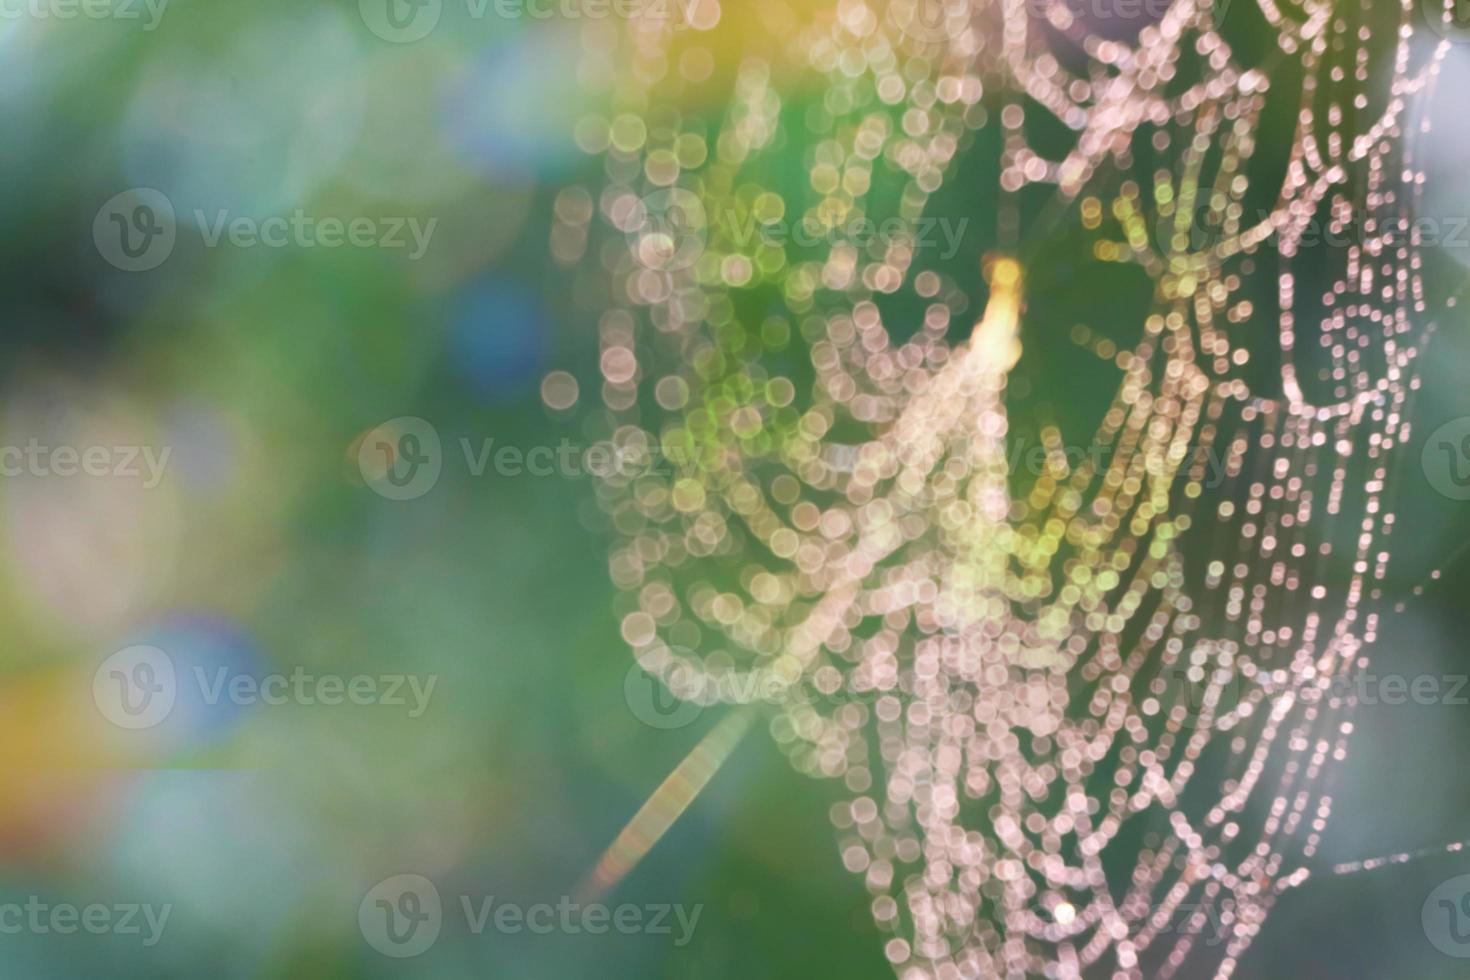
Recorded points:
(1002, 272)
(998, 337)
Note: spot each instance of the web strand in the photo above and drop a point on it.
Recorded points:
(1078, 710)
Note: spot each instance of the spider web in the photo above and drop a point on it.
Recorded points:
(1086, 713)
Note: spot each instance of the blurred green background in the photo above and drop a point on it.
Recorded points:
(261, 550)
